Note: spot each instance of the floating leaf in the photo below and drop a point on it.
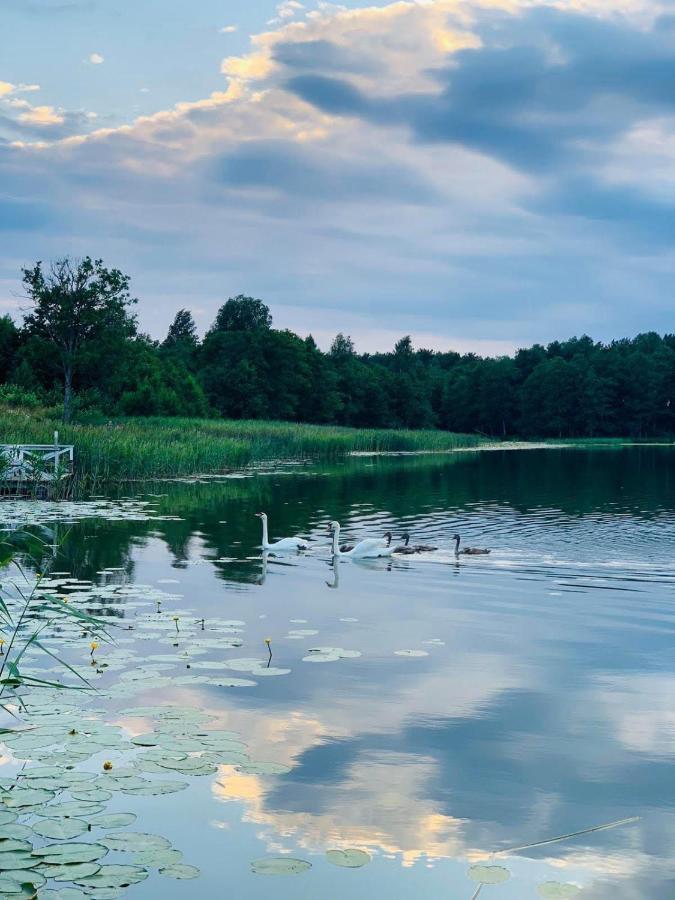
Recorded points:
(16, 846)
(157, 788)
(71, 871)
(264, 768)
(551, 889)
(27, 797)
(411, 653)
(64, 854)
(60, 829)
(15, 831)
(9, 861)
(112, 820)
(279, 865)
(69, 809)
(135, 841)
(489, 874)
(348, 859)
(6, 817)
(157, 858)
(113, 877)
(180, 871)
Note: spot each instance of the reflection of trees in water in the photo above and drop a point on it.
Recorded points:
(576, 481)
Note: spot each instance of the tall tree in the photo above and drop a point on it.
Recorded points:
(181, 342)
(74, 303)
(242, 313)
(9, 342)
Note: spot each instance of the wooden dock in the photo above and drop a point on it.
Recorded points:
(36, 463)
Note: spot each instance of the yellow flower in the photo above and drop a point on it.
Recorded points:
(268, 640)
(93, 645)
(107, 765)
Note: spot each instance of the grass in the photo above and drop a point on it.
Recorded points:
(155, 447)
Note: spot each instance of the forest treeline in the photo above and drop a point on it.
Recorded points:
(245, 368)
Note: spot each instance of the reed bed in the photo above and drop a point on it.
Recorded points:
(155, 447)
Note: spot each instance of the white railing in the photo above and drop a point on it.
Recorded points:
(36, 462)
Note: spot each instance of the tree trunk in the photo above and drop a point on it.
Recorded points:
(67, 393)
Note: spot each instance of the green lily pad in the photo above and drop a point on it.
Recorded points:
(27, 797)
(94, 795)
(9, 861)
(157, 788)
(63, 894)
(135, 841)
(71, 871)
(15, 830)
(180, 871)
(15, 846)
(60, 829)
(157, 858)
(7, 817)
(551, 889)
(279, 865)
(112, 820)
(489, 874)
(348, 859)
(64, 854)
(70, 809)
(114, 876)
(264, 768)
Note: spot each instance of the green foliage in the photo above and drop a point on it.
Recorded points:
(79, 343)
(242, 313)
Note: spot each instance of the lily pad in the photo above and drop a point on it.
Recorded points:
(489, 874)
(264, 768)
(15, 846)
(22, 797)
(557, 889)
(114, 876)
(157, 788)
(71, 871)
(348, 859)
(15, 830)
(70, 809)
(279, 865)
(64, 854)
(157, 858)
(9, 861)
(60, 829)
(112, 820)
(135, 841)
(180, 871)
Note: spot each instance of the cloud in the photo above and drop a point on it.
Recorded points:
(41, 115)
(96, 59)
(228, 29)
(473, 171)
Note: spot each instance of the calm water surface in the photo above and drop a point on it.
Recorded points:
(542, 701)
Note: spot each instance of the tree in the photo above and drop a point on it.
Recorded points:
(242, 313)
(74, 304)
(342, 346)
(181, 342)
(9, 342)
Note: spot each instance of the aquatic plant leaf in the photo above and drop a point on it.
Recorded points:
(180, 871)
(279, 865)
(64, 854)
(410, 653)
(113, 876)
(157, 858)
(489, 874)
(135, 841)
(156, 789)
(27, 797)
(63, 894)
(60, 829)
(69, 809)
(9, 861)
(15, 830)
(112, 820)
(15, 845)
(264, 768)
(7, 817)
(71, 871)
(94, 795)
(555, 889)
(348, 859)
(24, 876)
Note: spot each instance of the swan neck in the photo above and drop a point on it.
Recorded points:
(265, 539)
(336, 541)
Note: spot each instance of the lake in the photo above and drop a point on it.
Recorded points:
(462, 707)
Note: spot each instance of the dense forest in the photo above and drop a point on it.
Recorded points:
(79, 345)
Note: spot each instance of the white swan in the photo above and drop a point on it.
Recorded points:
(370, 548)
(288, 544)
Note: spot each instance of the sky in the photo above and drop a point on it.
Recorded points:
(480, 174)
